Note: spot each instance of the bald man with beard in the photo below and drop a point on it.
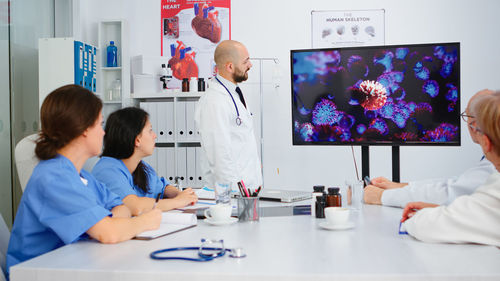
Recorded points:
(225, 122)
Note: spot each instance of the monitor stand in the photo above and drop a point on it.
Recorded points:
(365, 162)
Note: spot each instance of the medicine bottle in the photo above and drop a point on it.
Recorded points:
(333, 199)
(318, 190)
(185, 85)
(320, 207)
(201, 84)
(193, 84)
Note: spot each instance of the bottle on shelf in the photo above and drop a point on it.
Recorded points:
(116, 90)
(185, 84)
(201, 84)
(193, 84)
(112, 55)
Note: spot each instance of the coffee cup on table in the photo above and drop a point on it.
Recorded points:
(337, 215)
(219, 212)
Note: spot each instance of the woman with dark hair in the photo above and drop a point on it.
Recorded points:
(62, 203)
(129, 138)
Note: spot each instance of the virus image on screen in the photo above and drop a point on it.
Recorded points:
(389, 95)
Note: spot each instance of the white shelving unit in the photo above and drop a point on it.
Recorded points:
(178, 146)
(117, 31)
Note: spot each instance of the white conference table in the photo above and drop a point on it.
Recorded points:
(277, 248)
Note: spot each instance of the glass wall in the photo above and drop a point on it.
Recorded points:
(5, 147)
(29, 21)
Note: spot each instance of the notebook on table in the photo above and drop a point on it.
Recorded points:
(286, 196)
(171, 222)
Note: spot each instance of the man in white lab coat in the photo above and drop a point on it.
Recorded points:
(225, 123)
(437, 191)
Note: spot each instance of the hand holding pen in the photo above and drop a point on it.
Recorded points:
(157, 199)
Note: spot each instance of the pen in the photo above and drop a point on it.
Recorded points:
(247, 192)
(157, 199)
(241, 189)
(258, 190)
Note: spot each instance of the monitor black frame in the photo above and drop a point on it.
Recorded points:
(380, 143)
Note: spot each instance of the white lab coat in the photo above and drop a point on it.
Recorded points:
(471, 218)
(440, 191)
(230, 150)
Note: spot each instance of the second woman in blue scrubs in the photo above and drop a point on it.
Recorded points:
(129, 138)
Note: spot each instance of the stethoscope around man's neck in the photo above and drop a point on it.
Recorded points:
(238, 119)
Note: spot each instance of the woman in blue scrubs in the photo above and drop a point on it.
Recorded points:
(62, 203)
(129, 138)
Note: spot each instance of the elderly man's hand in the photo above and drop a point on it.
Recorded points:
(373, 195)
(384, 183)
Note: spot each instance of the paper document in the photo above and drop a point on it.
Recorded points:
(171, 222)
(209, 193)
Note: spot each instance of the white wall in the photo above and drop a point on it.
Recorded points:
(272, 28)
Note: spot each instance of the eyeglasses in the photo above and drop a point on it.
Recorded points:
(465, 116)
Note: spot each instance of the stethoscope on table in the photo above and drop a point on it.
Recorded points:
(206, 252)
(238, 119)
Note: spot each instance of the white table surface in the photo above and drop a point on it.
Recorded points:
(277, 248)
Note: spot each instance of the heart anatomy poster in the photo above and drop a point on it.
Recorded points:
(335, 29)
(190, 31)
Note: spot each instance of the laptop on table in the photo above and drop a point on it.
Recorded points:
(285, 196)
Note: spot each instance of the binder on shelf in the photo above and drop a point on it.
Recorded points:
(198, 172)
(180, 120)
(170, 160)
(161, 109)
(191, 167)
(169, 118)
(162, 162)
(78, 59)
(190, 126)
(181, 163)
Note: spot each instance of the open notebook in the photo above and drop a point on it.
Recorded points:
(171, 222)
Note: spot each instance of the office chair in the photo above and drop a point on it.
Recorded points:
(4, 242)
(26, 159)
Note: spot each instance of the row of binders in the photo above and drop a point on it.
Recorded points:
(185, 165)
(85, 59)
(172, 124)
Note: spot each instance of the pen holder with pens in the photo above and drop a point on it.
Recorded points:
(248, 209)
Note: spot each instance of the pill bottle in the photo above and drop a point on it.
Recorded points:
(318, 190)
(333, 199)
(185, 85)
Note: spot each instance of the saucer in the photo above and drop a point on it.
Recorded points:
(231, 220)
(328, 226)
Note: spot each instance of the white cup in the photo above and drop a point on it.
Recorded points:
(337, 215)
(219, 212)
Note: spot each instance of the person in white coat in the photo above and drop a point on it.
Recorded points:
(225, 123)
(469, 218)
(438, 191)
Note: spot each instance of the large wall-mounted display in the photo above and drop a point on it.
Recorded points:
(388, 95)
(190, 32)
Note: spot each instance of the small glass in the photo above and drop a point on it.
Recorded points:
(248, 209)
(223, 193)
(353, 194)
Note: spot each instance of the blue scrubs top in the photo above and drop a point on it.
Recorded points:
(57, 208)
(118, 179)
